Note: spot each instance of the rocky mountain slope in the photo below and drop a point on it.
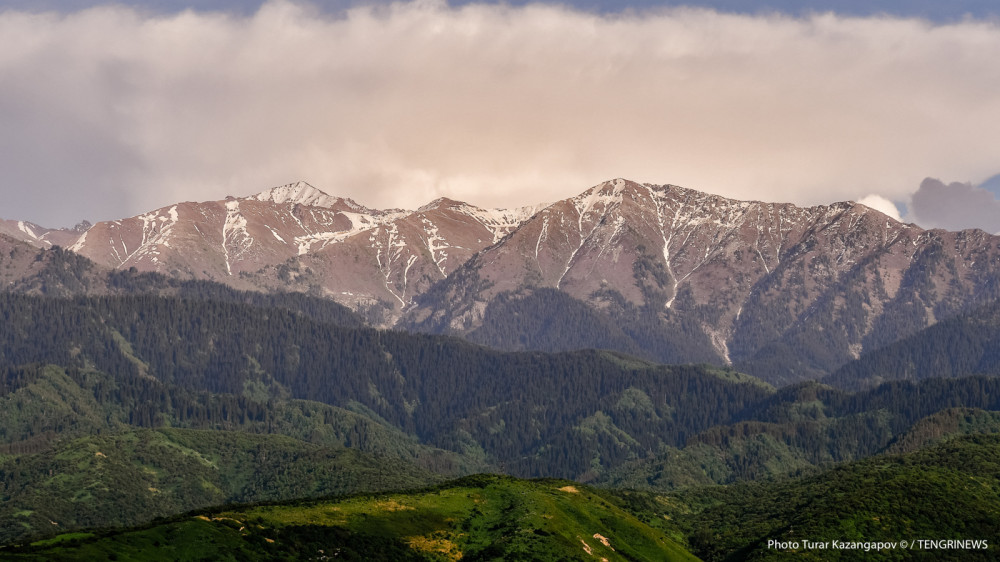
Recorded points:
(784, 292)
(296, 236)
(39, 236)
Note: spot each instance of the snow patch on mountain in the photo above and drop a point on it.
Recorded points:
(500, 222)
(389, 254)
(438, 250)
(79, 243)
(360, 222)
(26, 228)
(598, 200)
(591, 206)
(234, 234)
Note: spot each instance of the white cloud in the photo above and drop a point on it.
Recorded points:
(882, 205)
(491, 104)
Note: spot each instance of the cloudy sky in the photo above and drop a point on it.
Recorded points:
(108, 110)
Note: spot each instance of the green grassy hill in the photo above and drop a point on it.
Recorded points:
(949, 491)
(476, 518)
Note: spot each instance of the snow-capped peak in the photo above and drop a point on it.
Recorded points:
(439, 203)
(602, 196)
(303, 194)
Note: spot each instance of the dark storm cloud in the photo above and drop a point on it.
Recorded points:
(955, 206)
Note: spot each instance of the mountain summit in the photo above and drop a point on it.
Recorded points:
(301, 193)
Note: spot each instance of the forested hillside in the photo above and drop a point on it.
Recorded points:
(94, 374)
(968, 344)
(946, 492)
(533, 413)
(810, 425)
(572, 414)
(45, 404)
(132, 477)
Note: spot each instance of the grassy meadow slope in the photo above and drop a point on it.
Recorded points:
(482, 517)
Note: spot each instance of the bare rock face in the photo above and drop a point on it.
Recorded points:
(784, 292)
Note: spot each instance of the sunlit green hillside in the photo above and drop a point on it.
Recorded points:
(475, 518)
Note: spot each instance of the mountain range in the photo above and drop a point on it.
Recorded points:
(784, 293)
(781, 292)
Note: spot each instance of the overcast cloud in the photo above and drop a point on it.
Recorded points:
(108, 112)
